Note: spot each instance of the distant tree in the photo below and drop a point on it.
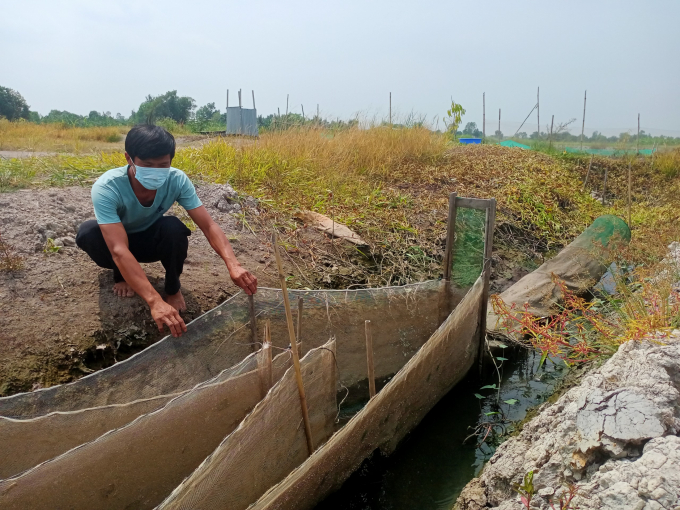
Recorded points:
(522, 135)
(470, 128)
(168, 105)
(34, 117)
(499, 134)
(12, 105)
(207, 113)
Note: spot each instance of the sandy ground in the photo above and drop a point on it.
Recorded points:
(60, 317)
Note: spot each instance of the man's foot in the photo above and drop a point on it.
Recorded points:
(122, 289)
(176, 301)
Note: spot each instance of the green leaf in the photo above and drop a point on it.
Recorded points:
(502, 346)
(489, 414)
(480, 397)
(500, 358)
(489, 387)
(511, 401)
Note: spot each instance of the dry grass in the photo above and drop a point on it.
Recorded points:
(26, 136)
(391, 186)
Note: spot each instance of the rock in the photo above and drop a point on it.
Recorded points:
(615, 436)
(67, 241)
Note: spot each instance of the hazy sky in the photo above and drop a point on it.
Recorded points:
(82, 55)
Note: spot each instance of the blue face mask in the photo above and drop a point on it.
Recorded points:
(151, 178)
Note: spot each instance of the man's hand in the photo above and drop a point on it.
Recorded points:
(244, 279)
(164, 314)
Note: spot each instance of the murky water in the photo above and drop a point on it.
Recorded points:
(432, 465)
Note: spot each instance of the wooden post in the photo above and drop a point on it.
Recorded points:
(585, 181)
(253, 100)
(450, 232)
(499, 125)
(630, 188)
(538, 113)
(637, 151)
(604, 186)
(369, 360)
(483, 116)
(552, 122)
(293, 347)
(253, 321)
(240, 113)
(226, 114)
(287, 96)
(299, 324)
(489, 227)
(303, 111)
(583, 125)
(390, 109)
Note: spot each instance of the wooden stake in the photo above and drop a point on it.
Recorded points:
(483, 116)
(390, 109)
(630, 186)
(299, 324)
(585, 181)
(287, 96)
(538, 113)
(253, 321)
(489, 227)
(369, 360)
(604, 186)
(293, 347)
(450, 232)
(499, 125)
(303, 111)
(583, 126)
(637, 152)
(552, 122)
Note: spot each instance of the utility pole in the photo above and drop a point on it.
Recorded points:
(538, 113)
(483, 116)
(583, 126)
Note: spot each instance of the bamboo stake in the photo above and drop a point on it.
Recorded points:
(583, 126)
(253, 321)
(483, 116)
(369, 360)
(499, 125)
(299, 324)
(637, 151)
(630, 186)
(268, 339)
(390, 109)
(552, 122)
(287, 96)
(303, 111)
(585, 181)
(450, 232)
(293, 347)
(538, 113)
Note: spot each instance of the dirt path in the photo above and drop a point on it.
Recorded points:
(60, 317)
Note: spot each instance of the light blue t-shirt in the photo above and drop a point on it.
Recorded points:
(115, 202)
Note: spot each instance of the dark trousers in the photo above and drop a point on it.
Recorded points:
(166, 240)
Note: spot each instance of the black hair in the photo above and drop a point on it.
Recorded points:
(146, 142)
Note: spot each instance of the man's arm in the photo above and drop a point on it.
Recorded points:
(117, 241)
(219, 242)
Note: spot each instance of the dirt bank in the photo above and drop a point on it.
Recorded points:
(614, 438)
(61, 319)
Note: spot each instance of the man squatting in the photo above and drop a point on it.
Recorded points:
(129, 204)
